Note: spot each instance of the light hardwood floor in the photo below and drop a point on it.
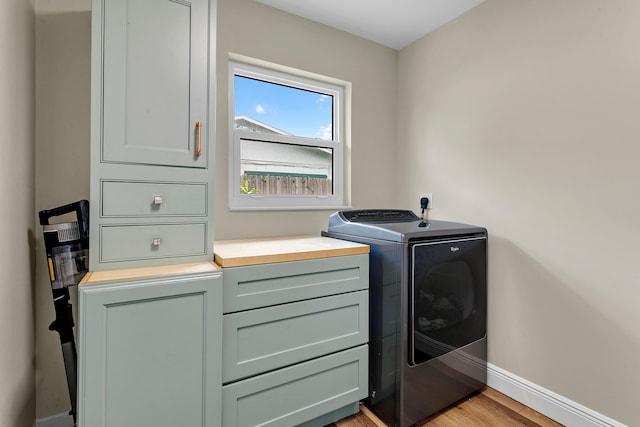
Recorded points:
(487, 408)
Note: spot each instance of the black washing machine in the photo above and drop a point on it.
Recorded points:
(428, 310)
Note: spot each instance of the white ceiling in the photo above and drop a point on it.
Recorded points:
(393, 23)
(59, 6)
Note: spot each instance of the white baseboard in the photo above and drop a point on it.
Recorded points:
(554, 406)
(58, 420)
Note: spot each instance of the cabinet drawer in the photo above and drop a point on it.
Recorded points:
(137, 242)
(257, 341)
(298, 393)
(270, 284)
(121, 198)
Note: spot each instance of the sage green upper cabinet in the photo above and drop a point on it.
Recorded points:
(152, 132)
(155, 81)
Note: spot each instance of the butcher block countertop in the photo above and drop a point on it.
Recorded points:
(148, 272)
(237, 253)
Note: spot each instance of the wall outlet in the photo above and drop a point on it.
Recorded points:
(428, 196)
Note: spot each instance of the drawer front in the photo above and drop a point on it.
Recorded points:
(270, 284)
(257, 341)
(142, 199)
(138, 242)
(298, 393)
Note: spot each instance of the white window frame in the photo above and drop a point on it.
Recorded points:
(301, 80)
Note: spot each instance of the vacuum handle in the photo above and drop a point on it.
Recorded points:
(81, 209)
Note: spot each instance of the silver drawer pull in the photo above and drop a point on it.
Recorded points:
(156, 241)
(157, 200)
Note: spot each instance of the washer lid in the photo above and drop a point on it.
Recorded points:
(394, 225)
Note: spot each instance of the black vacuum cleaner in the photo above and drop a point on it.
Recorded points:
(67, 246)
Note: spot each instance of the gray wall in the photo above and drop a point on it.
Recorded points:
(17, 392)
(62, 153)
(63, 69)
(522, 116)
(248, 28)
(514, 115)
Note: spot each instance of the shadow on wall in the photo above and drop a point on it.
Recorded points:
(25, 397)
(556, 334)
(63, 70)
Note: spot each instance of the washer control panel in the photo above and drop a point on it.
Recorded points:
(379, 215)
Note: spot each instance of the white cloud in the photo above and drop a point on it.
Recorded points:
(259, 109)
(325, 132)
(321, 99)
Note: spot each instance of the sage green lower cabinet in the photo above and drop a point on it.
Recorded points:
(149, 352)
(295, 342)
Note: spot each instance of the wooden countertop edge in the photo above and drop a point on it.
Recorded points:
(293, 248)
(147, 272)
(242, 261)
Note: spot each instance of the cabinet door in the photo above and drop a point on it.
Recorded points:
(155, 81)
(149, 353)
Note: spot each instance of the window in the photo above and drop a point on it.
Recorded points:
(286, 140)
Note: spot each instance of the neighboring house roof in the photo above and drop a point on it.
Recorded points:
(247, 123)
(289, 159)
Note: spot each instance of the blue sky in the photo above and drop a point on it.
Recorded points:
(295, 111)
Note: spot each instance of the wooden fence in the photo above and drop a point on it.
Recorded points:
(288, 185)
